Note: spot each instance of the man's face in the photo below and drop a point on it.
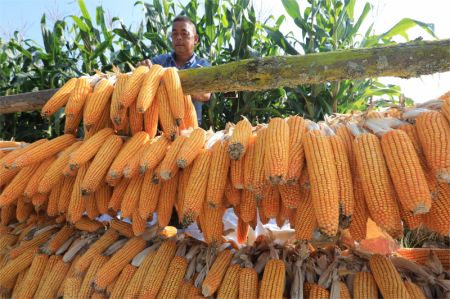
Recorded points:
(184, 38)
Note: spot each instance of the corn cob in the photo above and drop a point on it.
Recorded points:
(239, 139)
(54, 197)
(160, 265)
(59, 99)
(318, 292)
(122, 282)
(58, 240)
(414, 291)
(53, 280)
(16, 265)
(237, 173)
(55, 171)
(132, 87)
(229, 287)
(277, 151)
(111, 269)
(19, 283)
(7, 214)
(31, 279)
(437, 218)
(118, 115)
(97, 103)
(9, 158)
(91, 207)
(324, 185)
(16, 187)
(232, 195)
(345, 182)
(270, 204)
(190, 115)
(83, 263)
(117, 195)
(7, 175)
(129, 149)
(153, 154)
(149, 87)
(387, 278)
(39, 201)
(78, 97)
(216, 273)
(305, 219)
(43, 151)
(23, 210)
(375, 180)
(220, 163)
(66, 192)
(247, 164)
(191, 148)
(297, 129)
(151, 116)
(89, 148)
(174, 91)
(247, 206)
(86, 289)
(88, 225)
(135, 285)
(173, 279)
(77, 204)
(434, 134)
(273, 280)
(71, 124)
(7, 240)
(149, 196)
(131, 196)
(32, 186)
(358, 226)
(213, 229)
(290, 195)
(248, 283)
(406, 172)
(138, 224)
(364, 286)
(196, 187)
(169, 164)
(446, 109)
(183, 180)
(72, 287)
(136, 119)
(166, 119)
(166, 201)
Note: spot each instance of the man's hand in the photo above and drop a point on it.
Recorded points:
(146, 62)
(201, 97)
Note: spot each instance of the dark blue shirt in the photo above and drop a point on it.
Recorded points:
(168, 60)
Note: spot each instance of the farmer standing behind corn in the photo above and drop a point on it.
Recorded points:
(184, 39)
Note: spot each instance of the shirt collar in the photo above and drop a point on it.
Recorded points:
(187, 65)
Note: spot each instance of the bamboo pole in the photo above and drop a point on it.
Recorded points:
(406, 60)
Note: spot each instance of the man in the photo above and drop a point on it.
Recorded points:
(184, 39)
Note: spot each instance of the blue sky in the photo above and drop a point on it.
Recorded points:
(25, 16)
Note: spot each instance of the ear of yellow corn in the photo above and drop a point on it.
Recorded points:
(216, 273)
(191, 148)
(66, 192)
(169, 164)
(297, 129)
(166, 118)
(172, 85)
(31, 279)
(132, 87)
(239, 139)
(364, 286)
(117, 195)
(324, 184)
(149, 87)
(237, 173)
(414, 291)
(166, 201)
(272, 284)
(59, 99)
(77, 204)
(131, 196)
(387, 278)
(118, 114)
(318, 292)
(122, 282)
(16, 187)
(154, 152)
(376, 183)
(149, 197)
(136, 119)
(229, 288)
(151, 116)
(174, 278)
(437, 218)
(98, 102)
(78, 97)
(406, 172)
(276, 153)
(220, 163)
(135, 285)
(190, 115)
(358, 226)
(213, 219)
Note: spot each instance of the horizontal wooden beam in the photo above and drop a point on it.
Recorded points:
(406, 60)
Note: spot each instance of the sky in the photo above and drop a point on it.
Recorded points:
(25, 16)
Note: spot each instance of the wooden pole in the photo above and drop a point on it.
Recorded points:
(406, 60)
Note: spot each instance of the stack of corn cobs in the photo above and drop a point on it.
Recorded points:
(393, 167)
(43, 259)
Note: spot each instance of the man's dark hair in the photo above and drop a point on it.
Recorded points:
(185, 19)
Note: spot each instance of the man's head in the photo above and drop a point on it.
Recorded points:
(184, 36)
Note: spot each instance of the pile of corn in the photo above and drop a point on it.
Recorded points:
(44, 259)
(393, 167)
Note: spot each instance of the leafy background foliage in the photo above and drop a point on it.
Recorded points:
(229, 31)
